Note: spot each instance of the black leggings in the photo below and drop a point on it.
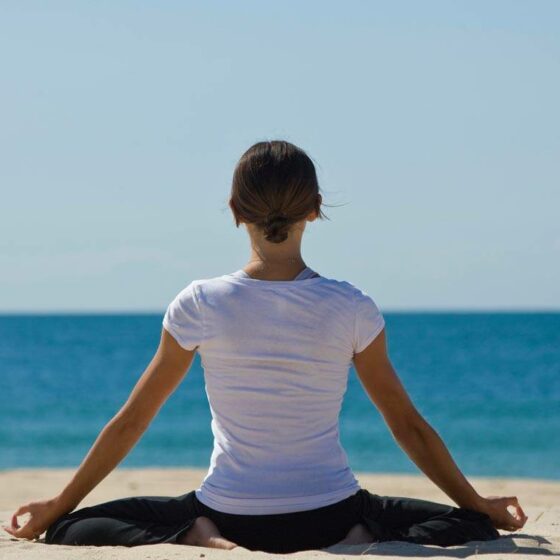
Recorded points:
(152, 520)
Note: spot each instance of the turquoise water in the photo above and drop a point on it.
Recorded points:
(489, 383)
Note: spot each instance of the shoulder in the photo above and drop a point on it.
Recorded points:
(198, 288)
(362, 302)
(353, 291)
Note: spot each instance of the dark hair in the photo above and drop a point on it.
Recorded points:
(274, 185)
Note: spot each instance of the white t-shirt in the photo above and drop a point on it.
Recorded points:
(276, 357)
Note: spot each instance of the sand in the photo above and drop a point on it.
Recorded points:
(540, 499)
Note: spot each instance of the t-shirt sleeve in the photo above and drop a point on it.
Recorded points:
(369, 321)
(183, 318)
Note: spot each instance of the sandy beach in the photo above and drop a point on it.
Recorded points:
(539, 498)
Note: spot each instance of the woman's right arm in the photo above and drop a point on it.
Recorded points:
(163, 374)
(420, 441)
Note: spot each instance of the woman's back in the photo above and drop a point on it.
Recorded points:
(276, 356)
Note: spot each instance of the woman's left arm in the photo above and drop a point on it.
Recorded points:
(163, 374)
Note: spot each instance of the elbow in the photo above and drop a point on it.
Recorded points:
(130, 423)
(410, 425)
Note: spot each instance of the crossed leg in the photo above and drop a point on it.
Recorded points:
(426, 522)
(137, 521)
(420, 521)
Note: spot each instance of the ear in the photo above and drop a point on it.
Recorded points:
(313, 215)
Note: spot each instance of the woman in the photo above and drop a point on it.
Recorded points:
(276, 341)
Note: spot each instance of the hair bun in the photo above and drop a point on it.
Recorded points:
(276, 225)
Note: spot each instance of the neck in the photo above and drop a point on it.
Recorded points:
(270, 261)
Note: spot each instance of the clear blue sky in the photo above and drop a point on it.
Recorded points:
(434, 125)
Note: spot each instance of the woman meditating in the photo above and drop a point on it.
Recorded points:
(276, 341)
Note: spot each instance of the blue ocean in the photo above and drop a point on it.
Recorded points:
(489, 383)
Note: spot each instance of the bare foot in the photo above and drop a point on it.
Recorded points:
(205, 533)
(357, 535)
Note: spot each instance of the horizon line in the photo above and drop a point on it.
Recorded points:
(411, 310)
